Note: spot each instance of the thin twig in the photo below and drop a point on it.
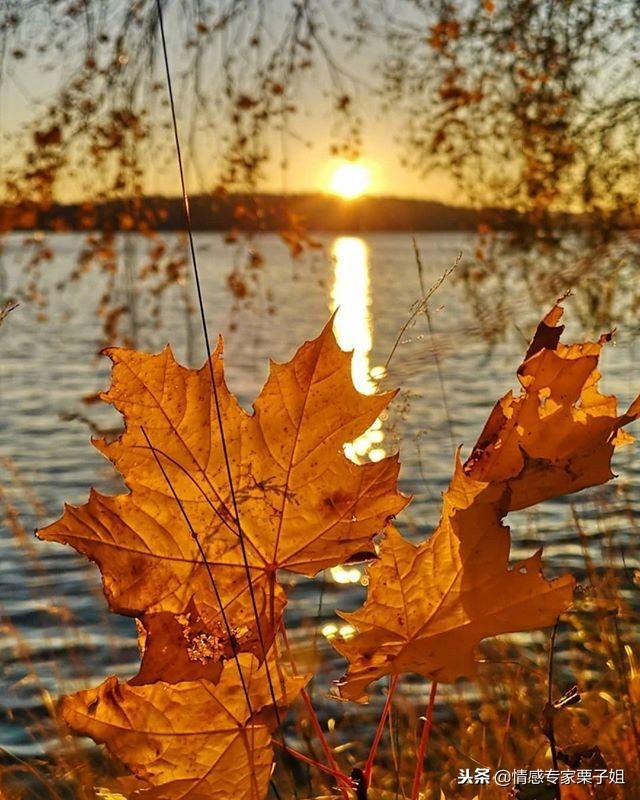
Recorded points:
(434, 349)
(308, 760)
(550, 731)
(6, 310)
(424, 741)
(507, 727)
(420, 306)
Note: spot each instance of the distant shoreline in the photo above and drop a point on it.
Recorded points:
(267, 212)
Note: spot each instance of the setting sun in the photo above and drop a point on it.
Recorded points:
(350, 180)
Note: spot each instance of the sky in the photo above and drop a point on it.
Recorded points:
(28, 86)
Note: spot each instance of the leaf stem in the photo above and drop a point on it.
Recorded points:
(393, 682)
(424, 741)
(326, 747)
(337, 774)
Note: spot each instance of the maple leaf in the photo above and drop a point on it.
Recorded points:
(302, 505)
(428, 606)
(559, 434)
(193, 740)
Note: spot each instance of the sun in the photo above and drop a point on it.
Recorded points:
(350, 180)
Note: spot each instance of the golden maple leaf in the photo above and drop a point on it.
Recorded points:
(193, 740)
(428, 606)
(559, 434)
(299, 503)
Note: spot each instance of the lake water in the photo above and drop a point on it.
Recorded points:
(57, 635)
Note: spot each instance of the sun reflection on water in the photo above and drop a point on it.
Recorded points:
(351, 299)
(351, 296)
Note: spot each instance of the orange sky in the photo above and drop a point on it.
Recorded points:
(28, 87)
(309, 168)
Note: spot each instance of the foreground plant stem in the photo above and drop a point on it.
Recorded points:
(550, 733)
(339, 776)
(424, 741)
(393, 682)
(334, 769)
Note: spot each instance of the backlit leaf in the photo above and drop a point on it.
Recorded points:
(428, 606)
(302, 505)
(192, 740)
(558, 435)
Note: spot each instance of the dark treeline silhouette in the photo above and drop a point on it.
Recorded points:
(270, 212)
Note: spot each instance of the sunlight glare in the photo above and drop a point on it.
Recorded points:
(350, 180)
(341, 574)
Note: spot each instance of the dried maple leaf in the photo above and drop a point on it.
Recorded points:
(428, 606)
(192, 740)
(302, 505)
(559, 434)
